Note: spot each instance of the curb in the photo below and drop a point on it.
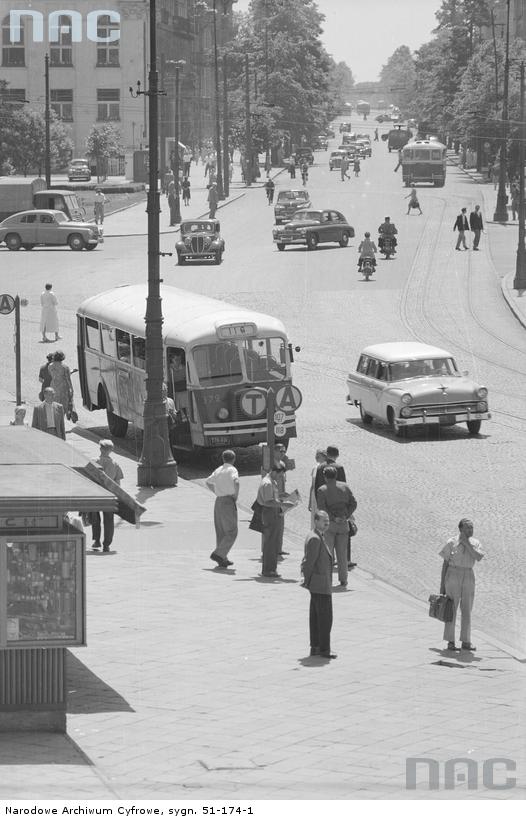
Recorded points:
(504, 286)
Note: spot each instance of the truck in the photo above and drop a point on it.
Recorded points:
(20, 194)
(397, 138)
(363, 108)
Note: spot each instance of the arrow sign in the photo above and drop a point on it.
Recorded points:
(7, 304)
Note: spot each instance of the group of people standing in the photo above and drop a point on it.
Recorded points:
(56, 396)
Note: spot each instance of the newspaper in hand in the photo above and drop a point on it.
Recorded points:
(290, 500)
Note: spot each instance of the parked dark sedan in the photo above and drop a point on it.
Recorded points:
(312, 228)
(200, 240)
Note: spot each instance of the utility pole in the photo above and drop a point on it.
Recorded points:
(178, 65)
(248, 127)
(157, 467)
(519, 282)
(219, 161)
(501, 210)
(226, 154)
(47, 120)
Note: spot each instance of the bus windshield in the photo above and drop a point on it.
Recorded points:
(252, 360)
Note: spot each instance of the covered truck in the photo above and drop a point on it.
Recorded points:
(20, 194)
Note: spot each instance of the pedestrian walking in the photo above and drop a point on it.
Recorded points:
(292, 168)
(304, 173)
(106, 463)
(413, 201)
(476, 225)
(336, 499)
(461, 225)
(187, 162)
(399, 160)
(98, 206)
(49, 313)
(213, 199)
(515, 200)
(321, 458)
(44, 376)
(48, 416)
(224, 482)
(460, 555)
(61, 381)
(356, 167)
(172, 203)
(316, 568)
(271, 515)
(344, 166)
(376, 135)
(186, 191)
(269, 190)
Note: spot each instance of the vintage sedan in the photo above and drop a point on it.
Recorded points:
(46, 227)
(409, 383)
(289, 203)
(200, 241)
(79, 169)
(312, 228)
(335, 159)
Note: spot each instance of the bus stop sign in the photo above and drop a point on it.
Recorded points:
(253, 402)
(7, 303)
(288, 398)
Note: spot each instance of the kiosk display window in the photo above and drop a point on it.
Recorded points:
(41, 591)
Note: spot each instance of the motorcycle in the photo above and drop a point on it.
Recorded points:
(386, 245)
(367, 267)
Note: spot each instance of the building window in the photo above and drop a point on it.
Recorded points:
(13, 54)
(14, 97)
(61, 53)
(107, 53)
(62, 103)
(108, 104)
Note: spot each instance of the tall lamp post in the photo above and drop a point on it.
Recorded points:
(178, 65)
(157, 467)
(519, 282)
(501, 209)
(219, 161)
(47, 117)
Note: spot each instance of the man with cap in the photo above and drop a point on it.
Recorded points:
(461, 225)
(113, 471)
(213, 199)
(98, 206)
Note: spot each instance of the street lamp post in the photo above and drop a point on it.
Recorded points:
(248, 127)
(219, 161)
(47, 116)
(226, 156)
(178, 65)
(157, 467)
(519, 282)
(501, 209)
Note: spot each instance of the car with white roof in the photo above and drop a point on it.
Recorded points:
(406, 384)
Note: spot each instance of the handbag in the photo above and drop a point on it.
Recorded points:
(256, 522)
(441, 608)
(72, 414)
(353, 527)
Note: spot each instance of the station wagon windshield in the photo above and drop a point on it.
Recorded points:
(422, 368)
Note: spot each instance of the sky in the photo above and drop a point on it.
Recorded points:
(364, 33)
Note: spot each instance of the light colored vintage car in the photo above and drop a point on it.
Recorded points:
(47, 227)
(409, 383)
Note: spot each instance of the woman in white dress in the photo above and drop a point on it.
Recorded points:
(49, 314)
(321, 458)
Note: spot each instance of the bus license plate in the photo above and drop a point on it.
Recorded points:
(219, 440)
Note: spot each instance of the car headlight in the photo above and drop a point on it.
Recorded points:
(405, 412)
(188, 241)
(406, 398)
(223, 414)
(279, 208)
(482, 406)
(301, 231)
(482, 392)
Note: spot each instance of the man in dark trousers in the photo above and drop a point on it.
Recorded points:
(336, 499)
(316, 569)
(49, 415)
(461, 225)
(475, 223)
(319, 480)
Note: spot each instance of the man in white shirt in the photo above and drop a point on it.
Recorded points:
(224, 482)
(460, 555)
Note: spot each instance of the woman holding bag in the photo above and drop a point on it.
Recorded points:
(61, 382)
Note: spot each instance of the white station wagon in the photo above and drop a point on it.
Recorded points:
(409, 383)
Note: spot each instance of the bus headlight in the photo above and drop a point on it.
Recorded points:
(405, 412)
(482, 392)
(223, 414)
(406, 398)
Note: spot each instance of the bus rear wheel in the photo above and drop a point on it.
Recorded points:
(117, 425)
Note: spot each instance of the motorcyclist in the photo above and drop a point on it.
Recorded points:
(387, 228)
(367, 250)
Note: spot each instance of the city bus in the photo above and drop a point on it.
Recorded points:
(214, 356)
(424, 161)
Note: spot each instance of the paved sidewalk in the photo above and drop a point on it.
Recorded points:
(196, 682)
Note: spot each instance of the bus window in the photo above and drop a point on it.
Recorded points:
(265, 359)
(421, 153)
(436, 154)
(108, 340)
(218, 364)
(139, 352)
(92, 334)
(123, 346)
(407, 153)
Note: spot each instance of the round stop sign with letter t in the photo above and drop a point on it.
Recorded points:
(253, 402)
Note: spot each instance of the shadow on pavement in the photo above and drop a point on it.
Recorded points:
(40, 749)
(87, 693)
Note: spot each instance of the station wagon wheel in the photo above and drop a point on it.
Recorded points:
(365, 417)
(281, 246)
(76, 242)
(474, 427)
(312, 241)
(400, 432)
(13, 241)
(344, 241)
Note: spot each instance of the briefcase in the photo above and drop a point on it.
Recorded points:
(441, 608)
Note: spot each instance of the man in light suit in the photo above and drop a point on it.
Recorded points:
(316, 568)
(49, 416)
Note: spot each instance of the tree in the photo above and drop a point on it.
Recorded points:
(398, 80)
(341, 85)
(24, 142)
(101, 144)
